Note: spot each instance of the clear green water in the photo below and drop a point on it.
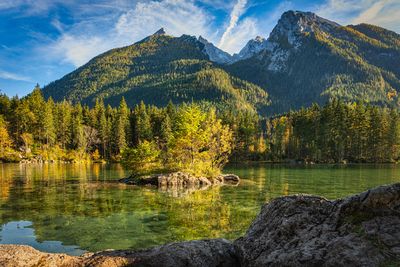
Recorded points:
(76, 208)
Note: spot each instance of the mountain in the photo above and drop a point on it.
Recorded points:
(310, 59)
(305, 59)
(252, 48)
(214, 53)
(156, 70)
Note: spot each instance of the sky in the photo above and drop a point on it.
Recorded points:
(42, 40)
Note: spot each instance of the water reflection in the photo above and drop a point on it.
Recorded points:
(82, 205)
(22, 233)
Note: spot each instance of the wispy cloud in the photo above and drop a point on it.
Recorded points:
(240, 35)
(77, 49)
(13, 76)
(237, 12)
(176, 16)
(384, 13)
(88, 39)
(31, 7)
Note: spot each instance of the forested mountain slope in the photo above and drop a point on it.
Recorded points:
(309, 59)
(305, 59)
(156, 70)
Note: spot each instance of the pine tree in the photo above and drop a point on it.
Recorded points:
(79, 141)
(141, 125)
(103, 132)
(49, 134)
(122, 128)
(101, 125)
(166, 130)
(393, 135)
(63, 121)
(37, 106)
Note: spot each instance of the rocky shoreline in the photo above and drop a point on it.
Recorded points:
(300, 230)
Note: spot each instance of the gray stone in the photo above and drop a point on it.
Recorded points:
(212, 252)
(198, 253)
(301, 230)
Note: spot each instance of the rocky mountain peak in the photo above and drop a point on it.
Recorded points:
(214, 53)
(288, 36)
(259, 39)
(252, 47)
(294, 23)
(203, 40)
(160, 32)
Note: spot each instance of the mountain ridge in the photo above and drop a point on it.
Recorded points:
(305, 59)
(158, 69)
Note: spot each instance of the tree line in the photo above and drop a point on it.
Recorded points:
(33, 127)
(336, 132)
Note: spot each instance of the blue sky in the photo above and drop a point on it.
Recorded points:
(42, 40)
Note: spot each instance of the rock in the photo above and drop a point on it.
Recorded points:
(214, 252)
(25, 256)
(231, 179)
(148, 180)
(181, 181)
(301, 230)
(214, 53)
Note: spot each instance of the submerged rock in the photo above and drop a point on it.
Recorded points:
(301, 230)
(362, 230)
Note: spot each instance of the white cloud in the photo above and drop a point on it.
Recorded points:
(92, 37)
(176, 16)
(384, 13)
(56, 23)
(32, 7)
(13, 76)
(370, 13)
(237, 12)
(78, 49)
(240, 35)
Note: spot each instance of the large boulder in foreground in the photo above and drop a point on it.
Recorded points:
(198, 253)
(361, 230)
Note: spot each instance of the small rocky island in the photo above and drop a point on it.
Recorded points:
(299, 230)
(181, 180)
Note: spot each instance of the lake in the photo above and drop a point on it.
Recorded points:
(76, 208)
